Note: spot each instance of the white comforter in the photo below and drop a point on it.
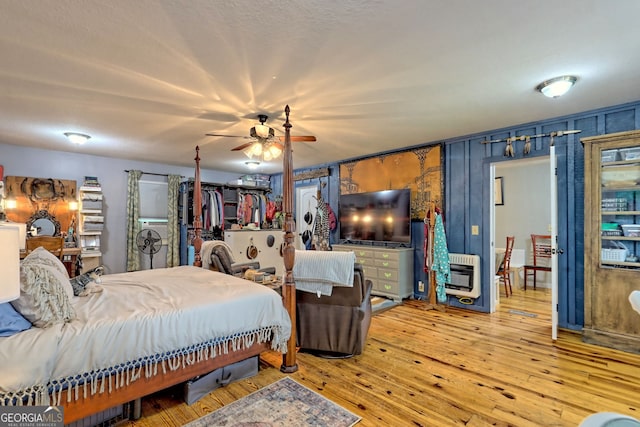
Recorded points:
(153, 314)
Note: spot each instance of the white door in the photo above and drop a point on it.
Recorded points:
(553, 203)
(493, 294)
(306, 204)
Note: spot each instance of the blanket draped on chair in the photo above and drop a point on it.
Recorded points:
(319, 271)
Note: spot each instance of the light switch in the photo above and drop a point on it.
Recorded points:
(475, 230)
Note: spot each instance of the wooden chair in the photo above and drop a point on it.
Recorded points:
(55, 245)
(504, 270)
(541, 249)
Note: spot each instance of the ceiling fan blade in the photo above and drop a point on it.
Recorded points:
(243, 146)
(227, 136)
(299, 138)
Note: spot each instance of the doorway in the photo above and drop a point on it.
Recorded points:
(523, 210)
(306, 205)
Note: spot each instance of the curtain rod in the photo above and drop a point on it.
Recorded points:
(153, 173)
(540, 135)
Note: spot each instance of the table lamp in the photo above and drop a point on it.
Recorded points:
(22, 227)
(9, 263)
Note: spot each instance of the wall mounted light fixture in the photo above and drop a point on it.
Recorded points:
(557, 86)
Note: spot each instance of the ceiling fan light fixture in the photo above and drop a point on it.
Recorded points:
(262, 131)
(275, 151)
(557, 86)
(77, 138)
(254, 150)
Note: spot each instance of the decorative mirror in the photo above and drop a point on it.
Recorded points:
(44, 223)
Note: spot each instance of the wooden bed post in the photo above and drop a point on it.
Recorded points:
(197, 212)
(288, 252)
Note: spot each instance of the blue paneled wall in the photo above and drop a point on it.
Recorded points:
(467, 199)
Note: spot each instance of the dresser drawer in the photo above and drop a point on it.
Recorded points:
(369, 271)
(363, 256)
(390, 288)
(366, 261)
(363, 253)
(389, 275)
(385, 263)
(388, 255)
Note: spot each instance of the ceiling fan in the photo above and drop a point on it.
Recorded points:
(265, 137)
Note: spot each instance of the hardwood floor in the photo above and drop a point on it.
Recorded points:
(457, 367)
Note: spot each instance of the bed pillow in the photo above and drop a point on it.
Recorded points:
(41, 256)
(11, 322)
(44, 300)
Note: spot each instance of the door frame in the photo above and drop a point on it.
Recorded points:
(553, 205)
(494, 292)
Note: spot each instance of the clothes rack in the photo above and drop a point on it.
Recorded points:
(429, 220)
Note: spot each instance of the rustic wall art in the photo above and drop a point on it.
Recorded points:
(419, 169)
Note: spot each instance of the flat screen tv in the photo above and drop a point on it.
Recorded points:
(380, 216)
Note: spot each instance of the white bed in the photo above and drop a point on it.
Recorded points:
(142, 324)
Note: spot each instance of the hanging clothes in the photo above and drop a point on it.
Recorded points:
(247, 214)
(321, 226)
(427, 245)
(440, 261)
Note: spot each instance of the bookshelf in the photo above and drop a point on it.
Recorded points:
(91, 222)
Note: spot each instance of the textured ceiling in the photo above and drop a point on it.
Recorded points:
(148, 78)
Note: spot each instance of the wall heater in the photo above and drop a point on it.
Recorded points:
(465, 275)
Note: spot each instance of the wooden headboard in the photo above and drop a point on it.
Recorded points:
(288, 252)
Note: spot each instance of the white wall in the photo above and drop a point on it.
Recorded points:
(21, 161)
(526, 204)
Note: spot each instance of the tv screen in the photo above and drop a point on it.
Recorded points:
(380, 216)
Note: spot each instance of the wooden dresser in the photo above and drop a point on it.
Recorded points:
(389, 269)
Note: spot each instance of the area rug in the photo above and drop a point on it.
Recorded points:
(380, 304)
(283, 403)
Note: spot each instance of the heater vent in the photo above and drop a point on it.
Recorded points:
(465, 275)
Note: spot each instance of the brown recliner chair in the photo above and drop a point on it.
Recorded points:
(220, 260)
(336, 325)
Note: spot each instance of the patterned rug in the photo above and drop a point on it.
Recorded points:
(283, 403)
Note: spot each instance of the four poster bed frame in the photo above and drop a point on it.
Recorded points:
(90, 404)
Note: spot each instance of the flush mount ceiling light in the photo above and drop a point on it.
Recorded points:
(77, 138)
(556, 87)
(252, 164)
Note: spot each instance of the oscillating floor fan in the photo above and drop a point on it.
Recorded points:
(149, 242)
